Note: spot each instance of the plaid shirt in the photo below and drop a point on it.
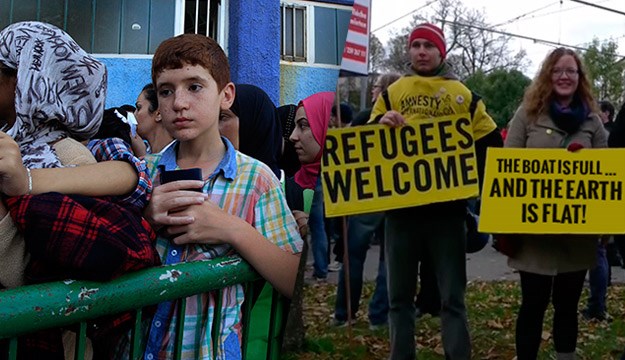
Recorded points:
(244, 187)
(117, 149)
(72, 236)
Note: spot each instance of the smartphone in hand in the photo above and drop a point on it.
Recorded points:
(182, 174)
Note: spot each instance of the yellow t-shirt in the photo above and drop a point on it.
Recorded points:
(417, 97)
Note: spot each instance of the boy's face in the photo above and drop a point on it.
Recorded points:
(190, 102)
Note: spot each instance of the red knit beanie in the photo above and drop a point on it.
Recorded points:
(431, 33)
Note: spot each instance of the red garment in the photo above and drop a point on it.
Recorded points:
(82, 238)
(318, 110)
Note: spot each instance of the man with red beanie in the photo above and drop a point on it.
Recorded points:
(430, 89)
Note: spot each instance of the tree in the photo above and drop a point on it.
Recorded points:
(397, 54)
(605, 70)
(501, 90)
(376, 54)
(471, 46)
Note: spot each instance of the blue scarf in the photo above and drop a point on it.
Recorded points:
(569, 118)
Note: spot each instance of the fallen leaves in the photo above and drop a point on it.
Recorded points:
(492, 309)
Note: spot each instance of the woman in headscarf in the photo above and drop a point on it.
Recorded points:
(288, 161)
(312, 119)
(252, 127)
(52, 94)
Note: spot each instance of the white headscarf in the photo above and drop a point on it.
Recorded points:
(60, 92)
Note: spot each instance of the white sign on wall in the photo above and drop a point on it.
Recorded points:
(356, 51)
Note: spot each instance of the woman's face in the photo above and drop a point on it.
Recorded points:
(229, 126)
(7, 99)
(306, 147)
(146, 120)
(565, 78)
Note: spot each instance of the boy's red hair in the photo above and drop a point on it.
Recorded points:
(192, 49)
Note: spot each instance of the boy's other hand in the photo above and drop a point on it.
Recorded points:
(168, 201)
(393, 118)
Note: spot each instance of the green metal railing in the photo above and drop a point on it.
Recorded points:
(31, 308)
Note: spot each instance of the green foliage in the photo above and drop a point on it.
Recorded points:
(397, 53)
(376, 54)
(605, 70)
(501, 90)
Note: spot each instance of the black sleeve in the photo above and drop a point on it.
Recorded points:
(493, 139)
(617, 134)
(294, 194)
(362, 117)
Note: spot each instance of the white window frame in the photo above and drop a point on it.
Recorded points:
(222, 19)
(310, 26)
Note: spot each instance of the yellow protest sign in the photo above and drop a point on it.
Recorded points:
(376, 167)
(553, 191)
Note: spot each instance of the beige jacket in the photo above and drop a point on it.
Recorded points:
(12, 248)
(554, 254)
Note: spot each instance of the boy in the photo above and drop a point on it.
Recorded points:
(241, 208)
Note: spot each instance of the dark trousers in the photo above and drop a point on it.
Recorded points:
(564, 290)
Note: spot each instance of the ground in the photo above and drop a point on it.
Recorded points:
(492, 308)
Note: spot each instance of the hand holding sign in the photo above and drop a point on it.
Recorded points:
(393, 118)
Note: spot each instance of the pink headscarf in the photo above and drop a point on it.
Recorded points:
(318, 109)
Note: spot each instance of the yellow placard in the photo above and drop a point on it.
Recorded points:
(553, 191)
(376, 167)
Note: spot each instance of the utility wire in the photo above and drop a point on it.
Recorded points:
(516, 18)
(403, 16)
(599, 7)
(555, 12)
(549, 42)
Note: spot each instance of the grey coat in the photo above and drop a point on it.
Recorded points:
(554, 254)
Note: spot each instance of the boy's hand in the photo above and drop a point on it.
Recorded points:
(211, 226)
(164, 208)
(13, 175)
(393, 118)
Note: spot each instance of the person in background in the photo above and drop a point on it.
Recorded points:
(253, 116)
(599, 275)
(558, 111)
(60, 200)
(606, 113)
(334, 226)
(149, 124)
(434, 230)
(288, 161)
(311, 124)
(616, 139)
(360, 231)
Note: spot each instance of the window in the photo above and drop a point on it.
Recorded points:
(293, 32)
(327, 25)
(202, 17)
(330, 33)
(105, 26)
(119, 26)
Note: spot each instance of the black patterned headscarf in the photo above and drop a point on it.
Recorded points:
(60, 92)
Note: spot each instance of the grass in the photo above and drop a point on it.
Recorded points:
(492, 308)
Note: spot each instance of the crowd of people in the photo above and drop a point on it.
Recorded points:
(259, 194)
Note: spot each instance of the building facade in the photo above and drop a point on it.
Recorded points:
(289, 49)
